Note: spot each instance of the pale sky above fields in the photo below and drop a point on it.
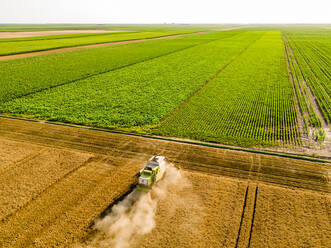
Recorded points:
(170, 11)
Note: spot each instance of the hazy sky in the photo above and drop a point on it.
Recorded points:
(170, 11)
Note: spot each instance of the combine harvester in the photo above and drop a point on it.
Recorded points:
(153, 172)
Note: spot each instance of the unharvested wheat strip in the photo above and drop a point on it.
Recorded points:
(275, 222)
(25, 182)
(81, 188)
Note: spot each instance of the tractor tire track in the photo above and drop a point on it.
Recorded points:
(241, 167)
(247, 217)
(242, 217)
(253, 216)
(269, 169)
(61, 215)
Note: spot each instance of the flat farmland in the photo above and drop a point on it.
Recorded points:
(21, 77)
(234, 87)
(220, 192)
(242, 114)
(137, 95)
(255, 105)
(7, 35)
(12, 46)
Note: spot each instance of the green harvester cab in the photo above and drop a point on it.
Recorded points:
(151, 173)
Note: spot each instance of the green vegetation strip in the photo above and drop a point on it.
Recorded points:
(310, 118)
(18, 47)
(134, 97)
(312, 56)
(218, 146)
(22, 77)
(249, 103)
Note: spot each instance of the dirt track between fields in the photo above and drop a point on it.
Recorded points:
(57, 50)
(4, 35)
(59, 179)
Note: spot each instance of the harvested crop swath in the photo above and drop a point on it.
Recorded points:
(24, 46)
(249, 103)
(311, 50)
(25, 76)
(24, 180)
(137, 95)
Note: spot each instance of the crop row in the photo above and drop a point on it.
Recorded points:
(20, 77)
(249, 103)
(312, 55)
(301, 91)
(137, 95)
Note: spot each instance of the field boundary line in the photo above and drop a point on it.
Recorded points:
(76, 35)
(242, 217)
(111, 70)
(206, 82)
(39, 52)
(327, 160)
(100, 73)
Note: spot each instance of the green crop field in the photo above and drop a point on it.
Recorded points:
(250, 102)
(308, 53)
(260, 86)
(130, 27)
(313, 57)
(25, 76)
(24, 45)
(138, 95)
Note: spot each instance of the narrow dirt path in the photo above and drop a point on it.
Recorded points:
(7, 35)
(32, 54)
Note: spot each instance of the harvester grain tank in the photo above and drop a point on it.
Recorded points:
(152, 172)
